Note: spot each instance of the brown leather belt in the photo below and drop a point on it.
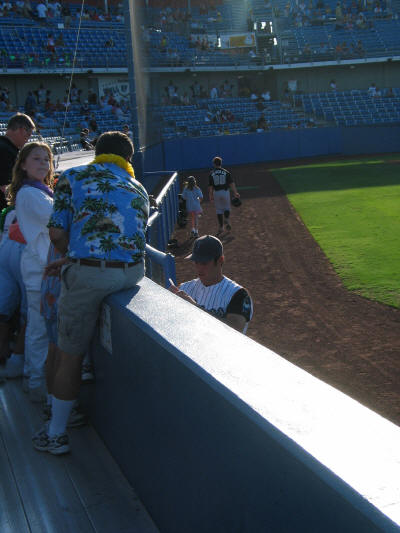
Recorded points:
(107, 264)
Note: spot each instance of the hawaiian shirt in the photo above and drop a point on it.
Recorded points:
(104, 210)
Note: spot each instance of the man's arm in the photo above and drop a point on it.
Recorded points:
(60, 239)
(235, 321)
(239, 310)
(232, 186)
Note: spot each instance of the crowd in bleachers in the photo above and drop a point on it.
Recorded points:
(61, 120)
(176, 35)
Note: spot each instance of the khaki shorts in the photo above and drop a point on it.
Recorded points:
(83, 289)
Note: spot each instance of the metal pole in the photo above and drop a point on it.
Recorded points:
(130, 27)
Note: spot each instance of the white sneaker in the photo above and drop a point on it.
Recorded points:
(13, 368)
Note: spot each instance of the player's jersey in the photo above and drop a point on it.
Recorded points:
(220, 179)
(220, 299)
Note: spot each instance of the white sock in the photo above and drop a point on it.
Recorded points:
(60, 412)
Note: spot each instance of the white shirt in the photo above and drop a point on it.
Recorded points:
(33, 208)
(214, 93)
(41, 10)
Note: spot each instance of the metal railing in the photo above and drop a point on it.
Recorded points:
(160, 266)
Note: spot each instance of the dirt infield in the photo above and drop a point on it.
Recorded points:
(302, 311)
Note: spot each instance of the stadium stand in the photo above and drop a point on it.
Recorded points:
(352, 108)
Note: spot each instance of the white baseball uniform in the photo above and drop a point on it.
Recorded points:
(222, 298)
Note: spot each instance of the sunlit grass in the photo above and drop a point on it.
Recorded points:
(352, 209)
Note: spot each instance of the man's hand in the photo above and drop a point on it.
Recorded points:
(54, 268)
(60, 239)
(182, 294)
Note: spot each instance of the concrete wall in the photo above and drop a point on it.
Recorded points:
(276, 145)
(219, 434)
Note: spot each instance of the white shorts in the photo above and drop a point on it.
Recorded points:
(222, 201)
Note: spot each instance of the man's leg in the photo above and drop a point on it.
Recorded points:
(227, 223)
(220, 218)
(65, 390)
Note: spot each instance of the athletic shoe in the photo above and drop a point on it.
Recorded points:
(220, 230)
(37, 395)
(195, 234)
(13, 368)
(228, 226)
(57, 445)
(75, 420)
(87, 374)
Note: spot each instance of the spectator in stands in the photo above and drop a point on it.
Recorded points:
(261, 124)
(84, 123)
(75, 94)
(390, 93)
(85, 109)
(92, 97)
(54, 8)
(41, 10)
(127, 131)
(19, 6)
(49, 107)
(332, 85)
(372, 89)
(105, 258)
(30, 191)
(214, 92)
(27, 11)
(84, 140)
(59, 40)
(266, 96)
(359, 49)
(51, 45)
(93, 123)
(19, 129)
(185, 99)
(30, 104)
(195, 88)
(66, 13)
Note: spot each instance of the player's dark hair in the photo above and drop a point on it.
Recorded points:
(115, 142)
(20, 120)
(217, 161)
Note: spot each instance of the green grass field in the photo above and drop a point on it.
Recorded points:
(352, 209)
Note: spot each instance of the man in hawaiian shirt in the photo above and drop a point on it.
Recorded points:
(99, 221)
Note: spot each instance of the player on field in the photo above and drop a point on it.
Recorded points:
(219, 185)
(211, 290)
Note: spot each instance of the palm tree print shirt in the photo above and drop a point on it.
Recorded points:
(104, 210)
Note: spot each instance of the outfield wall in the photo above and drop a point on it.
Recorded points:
(189, 153)
(217, 433)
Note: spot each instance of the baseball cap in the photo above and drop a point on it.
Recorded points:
(205, 249)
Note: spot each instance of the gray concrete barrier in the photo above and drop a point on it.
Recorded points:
(219, 434)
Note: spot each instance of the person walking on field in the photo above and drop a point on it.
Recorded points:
(193, 196)
(219, 186)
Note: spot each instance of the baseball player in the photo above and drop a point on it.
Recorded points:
(219, 185)
(211, 290)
